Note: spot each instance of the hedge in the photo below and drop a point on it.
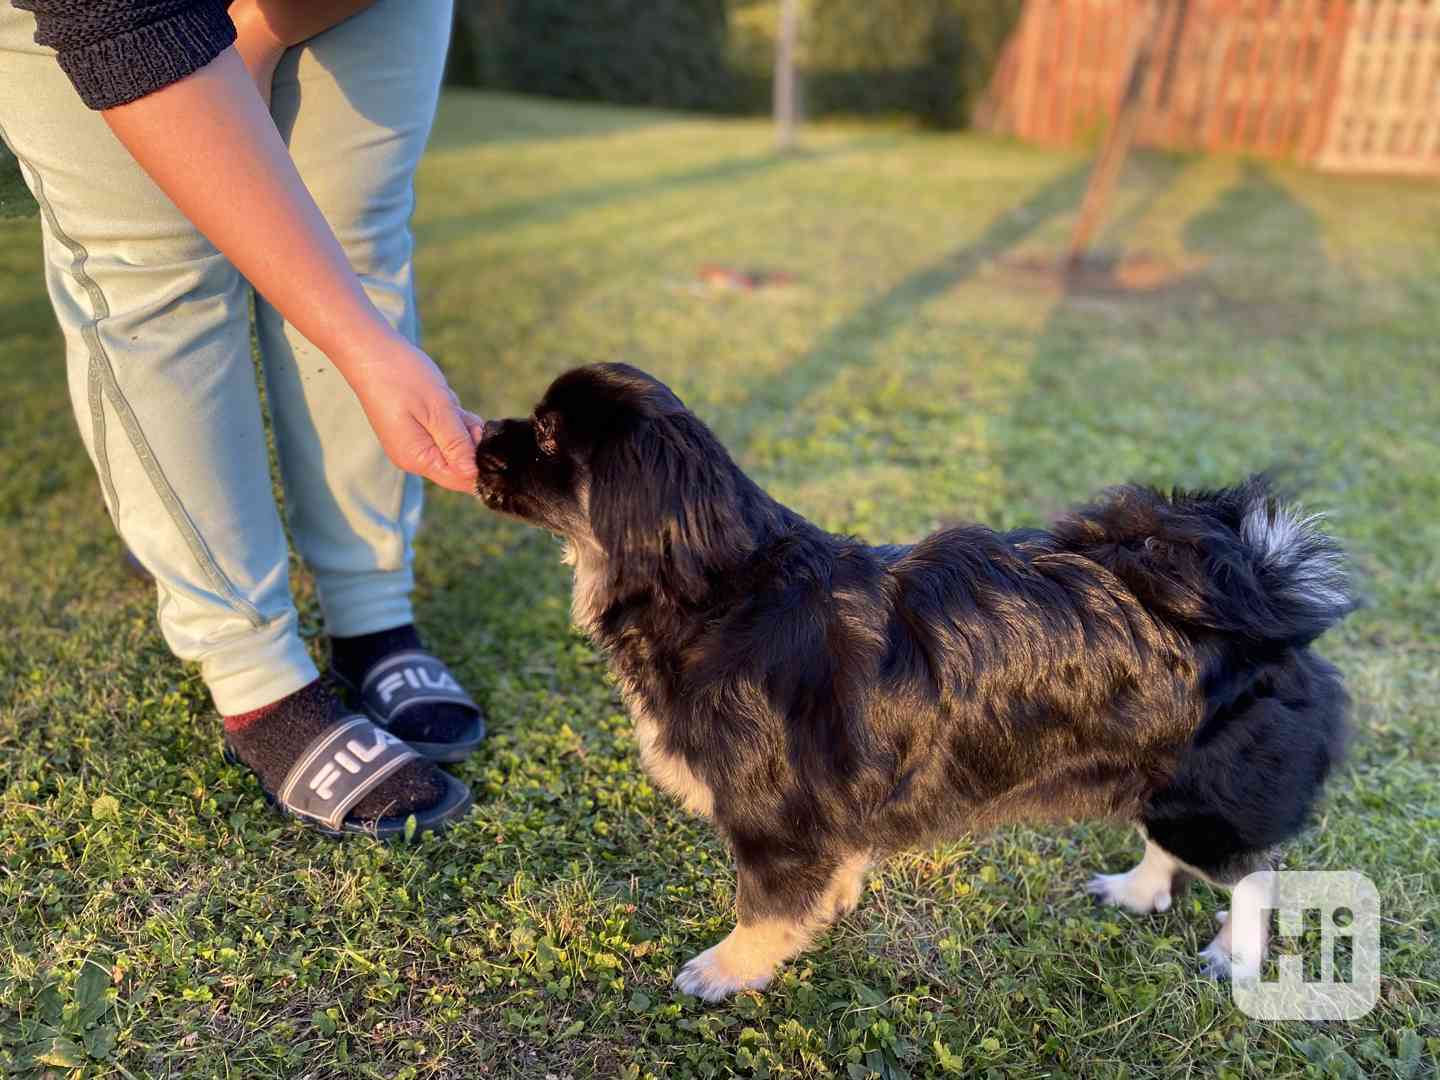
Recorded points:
(926, 58)
(638, 52)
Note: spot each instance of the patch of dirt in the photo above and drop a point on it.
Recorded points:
(1107, 274)
(1102, 274)
(747, 280)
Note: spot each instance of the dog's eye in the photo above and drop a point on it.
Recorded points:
(545, 435)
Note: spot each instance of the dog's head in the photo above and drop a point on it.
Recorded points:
(613, 461)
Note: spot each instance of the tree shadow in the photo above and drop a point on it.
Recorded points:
(856, 339)
(1150, 381)
(565, 204)
(471, 118)
(1254, 259)
(1156, 171)
(1256, 216)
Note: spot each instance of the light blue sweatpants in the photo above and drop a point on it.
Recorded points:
(157, 332)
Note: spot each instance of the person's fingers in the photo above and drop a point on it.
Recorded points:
(430, 463)
(450, 480)
(415, 448)
(457, 446)
(474, 424)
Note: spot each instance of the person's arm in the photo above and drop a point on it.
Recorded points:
(209, 143)
(266, 28)
(122, 50)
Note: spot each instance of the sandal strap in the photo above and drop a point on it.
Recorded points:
(408, 678)
(339, 768)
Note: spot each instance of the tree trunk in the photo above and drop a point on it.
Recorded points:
(1121, 136)
(785, 103)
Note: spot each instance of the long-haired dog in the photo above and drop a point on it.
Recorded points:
(825, 702)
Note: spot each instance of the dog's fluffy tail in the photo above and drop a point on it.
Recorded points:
(1236, 561)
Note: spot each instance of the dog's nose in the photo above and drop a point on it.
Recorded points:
(490, 430)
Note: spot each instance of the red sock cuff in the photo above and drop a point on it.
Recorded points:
(240, 721)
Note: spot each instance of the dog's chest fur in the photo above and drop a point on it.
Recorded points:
(669, 771)
(587, 598)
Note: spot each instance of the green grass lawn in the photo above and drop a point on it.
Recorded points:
(156, 916)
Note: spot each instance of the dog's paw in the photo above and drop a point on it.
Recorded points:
(1140, 893)
(846, 896)
(714, 976)
(1221, 960)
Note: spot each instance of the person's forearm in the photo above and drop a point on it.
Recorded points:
(211, 146)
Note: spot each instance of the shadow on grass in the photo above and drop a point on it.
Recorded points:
(31, 314)
(1155, 170)
(856, 339)
(1143, 423)
(476, 117)
(1255, 216)
(565, 204)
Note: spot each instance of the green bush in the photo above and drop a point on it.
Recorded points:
(986, 26)
(638, 52)
(927, 58)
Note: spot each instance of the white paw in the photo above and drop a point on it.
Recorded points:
(1221, 960)
(1134, 892)
(708, 976)
(1215, 961)
(1219, 963)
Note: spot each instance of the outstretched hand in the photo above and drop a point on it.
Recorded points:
(417, 417)
(213, 124)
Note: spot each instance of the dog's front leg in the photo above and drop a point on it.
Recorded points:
(779, 915)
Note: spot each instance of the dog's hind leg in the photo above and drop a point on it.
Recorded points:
(1146, 888)
(1238, 950)
(773, 928)
(847, 886)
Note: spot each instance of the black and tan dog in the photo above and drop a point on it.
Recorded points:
(826, 703)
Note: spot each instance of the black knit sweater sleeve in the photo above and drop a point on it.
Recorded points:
(118, 50)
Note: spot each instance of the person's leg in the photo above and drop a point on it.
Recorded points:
(355, 105)
(157, 343)
(157, 338)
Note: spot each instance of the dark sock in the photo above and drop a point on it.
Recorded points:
(269, 739)
(353, 657)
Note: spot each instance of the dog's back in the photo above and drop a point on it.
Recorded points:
(1253, 584)
(1147, 658)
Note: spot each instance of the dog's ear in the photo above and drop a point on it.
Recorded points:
(547, 428)
(665, 507)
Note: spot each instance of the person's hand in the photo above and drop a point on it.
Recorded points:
(264, 29)
(416, 415)
(257, 43)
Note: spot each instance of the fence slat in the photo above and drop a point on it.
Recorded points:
(1343, 84)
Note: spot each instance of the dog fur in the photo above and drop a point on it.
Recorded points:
(826, 702)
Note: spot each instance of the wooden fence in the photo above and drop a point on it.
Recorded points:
(1350, 85)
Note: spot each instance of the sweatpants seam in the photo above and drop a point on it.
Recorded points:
(92, 382)
(412, 488)
(101, 381)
